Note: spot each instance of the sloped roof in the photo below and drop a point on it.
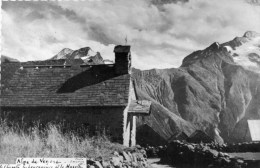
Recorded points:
(254, 128)
(140, 106)
(96, 85)
(48, 62)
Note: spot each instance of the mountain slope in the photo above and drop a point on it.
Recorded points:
(7, 59)
(210, 91)
(62, 54)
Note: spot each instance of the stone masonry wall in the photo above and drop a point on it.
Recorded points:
(134, 157)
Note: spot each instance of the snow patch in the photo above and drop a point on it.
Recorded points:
(63, 53)
(108, 62)
(59, 56)
(91, 53)
(217, 43)
(85, 57)
(228, 48)
(251, 46)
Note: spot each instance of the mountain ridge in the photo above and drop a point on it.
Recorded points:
(210, 90)
(86, 54)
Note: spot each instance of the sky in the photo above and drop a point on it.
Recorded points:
(161, 32)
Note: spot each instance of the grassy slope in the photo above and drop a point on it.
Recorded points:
(51, 142)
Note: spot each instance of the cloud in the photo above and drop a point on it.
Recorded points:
(162, 2)
(254, 2)
(30, 36)
(161, 33)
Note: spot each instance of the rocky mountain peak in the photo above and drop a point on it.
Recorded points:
(63, 53)
(216, 90)
(251, 34)
(84, 50)
(215, 46)
(66, 50)
(245, 50)
(86, 54)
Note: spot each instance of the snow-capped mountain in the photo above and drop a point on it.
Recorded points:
(86, 54)
(216, 90)
(63, 53)
(246, 50)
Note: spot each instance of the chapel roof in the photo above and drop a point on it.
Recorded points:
(55, 84)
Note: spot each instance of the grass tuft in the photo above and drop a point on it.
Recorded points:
(51, 142)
